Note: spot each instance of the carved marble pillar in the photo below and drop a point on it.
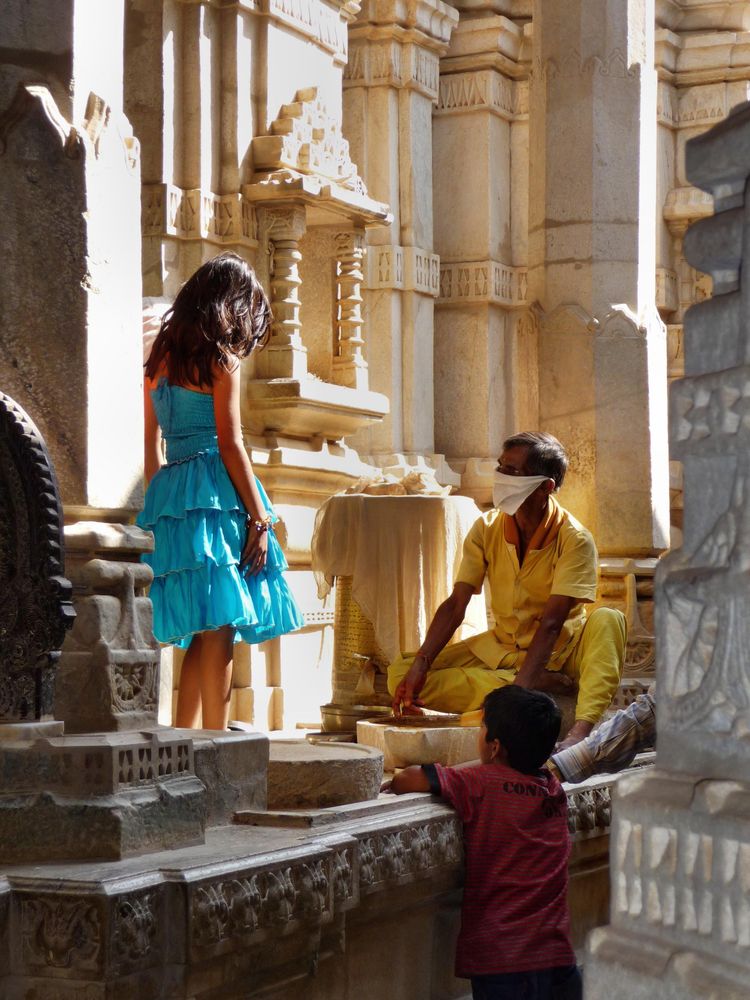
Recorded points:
(390, 88)
(349, 365)
(592, 211)
(681, 842)
(285, 356)
(480, 234)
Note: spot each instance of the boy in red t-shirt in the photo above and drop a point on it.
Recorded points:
(515, 930)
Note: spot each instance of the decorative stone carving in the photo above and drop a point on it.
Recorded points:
(264, 901)
(321, 24)
(349, 365)
(403, 51)
(614, 63)
(392, 856)
(482, 281)
(61, 933)
(286, 355)
(134, 928)
(226, 220)
(305, 138)
(411, 269)
(111, 653)
(479, 90)
(35, 604)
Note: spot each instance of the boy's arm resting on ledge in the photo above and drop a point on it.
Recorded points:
(411, 779)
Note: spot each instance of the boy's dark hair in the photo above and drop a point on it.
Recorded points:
(545, 456)
(220, 314)
(527, 724)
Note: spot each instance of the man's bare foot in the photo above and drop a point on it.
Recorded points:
(554, 682)
(578, 731)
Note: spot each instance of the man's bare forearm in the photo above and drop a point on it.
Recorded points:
(447, 619)
(538, 654)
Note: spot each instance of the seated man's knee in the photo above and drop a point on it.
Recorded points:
(609, 622)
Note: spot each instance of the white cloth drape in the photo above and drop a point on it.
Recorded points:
(402, 553)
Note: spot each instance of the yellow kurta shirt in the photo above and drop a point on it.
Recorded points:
(565, 566)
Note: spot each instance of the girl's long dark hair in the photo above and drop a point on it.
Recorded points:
(220, 314)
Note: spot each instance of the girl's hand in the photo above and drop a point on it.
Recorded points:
(255, 552)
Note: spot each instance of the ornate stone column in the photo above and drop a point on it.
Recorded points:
(349, 365)
(480, 234)
(286, 355)
(680, 910)
(592, 211)
(390, 88)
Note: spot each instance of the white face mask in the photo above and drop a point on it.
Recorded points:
(509, 492)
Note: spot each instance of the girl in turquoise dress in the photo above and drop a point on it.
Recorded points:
(218, 568)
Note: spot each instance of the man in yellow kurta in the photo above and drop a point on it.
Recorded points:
(541, 566)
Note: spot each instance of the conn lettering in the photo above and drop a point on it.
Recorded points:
(519, 788)
(551, 807)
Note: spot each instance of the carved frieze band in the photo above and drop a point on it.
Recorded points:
(483, 90)
(609, 64)
(191, 214)
(589, 810)
(482, 281)
(390, 62)
(410, 269)
(690, 106)
(396, 855)
(685, 881)
(317, 21)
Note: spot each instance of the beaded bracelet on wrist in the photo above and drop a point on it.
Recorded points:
(260, 525)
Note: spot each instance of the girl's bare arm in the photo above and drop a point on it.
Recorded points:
(152, 453)
(237, 461)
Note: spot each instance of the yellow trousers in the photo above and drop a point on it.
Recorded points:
(459, 682)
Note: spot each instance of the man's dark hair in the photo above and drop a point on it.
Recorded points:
(527, 724)
(545, 457)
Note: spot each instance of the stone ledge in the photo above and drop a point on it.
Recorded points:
(310, 407)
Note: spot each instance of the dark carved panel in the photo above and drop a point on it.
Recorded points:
(35, 597)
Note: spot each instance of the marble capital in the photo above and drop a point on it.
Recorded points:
(283, 223)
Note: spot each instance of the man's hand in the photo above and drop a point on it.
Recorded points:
(578, 731)
(554, 616)
(405, 699)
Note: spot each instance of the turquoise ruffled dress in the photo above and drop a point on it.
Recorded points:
(199, 527)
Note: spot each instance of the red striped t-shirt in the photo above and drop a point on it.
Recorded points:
(515, 911)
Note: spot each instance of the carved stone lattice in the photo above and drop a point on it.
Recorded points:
(35, 604)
